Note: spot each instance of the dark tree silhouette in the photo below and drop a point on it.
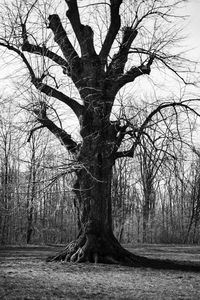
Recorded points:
(125, 48)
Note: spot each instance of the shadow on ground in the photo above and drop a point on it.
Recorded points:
(24, 274)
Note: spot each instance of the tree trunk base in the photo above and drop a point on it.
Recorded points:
(89, 248)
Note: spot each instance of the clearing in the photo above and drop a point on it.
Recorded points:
(24, 274)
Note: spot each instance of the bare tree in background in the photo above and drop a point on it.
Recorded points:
(100, 47)
(159, 148)
(9, 170)
(194, 217)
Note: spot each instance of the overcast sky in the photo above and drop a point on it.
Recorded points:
(194, 11)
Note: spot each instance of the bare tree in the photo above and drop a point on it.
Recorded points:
(9, 184)
(98, 64)
(194, 201)
(156, 155)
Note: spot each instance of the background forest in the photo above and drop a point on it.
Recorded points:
(156, 196)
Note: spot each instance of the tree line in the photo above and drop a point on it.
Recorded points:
(153, 202)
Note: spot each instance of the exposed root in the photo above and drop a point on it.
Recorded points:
(89, 248)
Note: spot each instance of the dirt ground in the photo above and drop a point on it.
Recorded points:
(24, 274)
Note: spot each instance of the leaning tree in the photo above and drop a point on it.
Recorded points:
(100, 46)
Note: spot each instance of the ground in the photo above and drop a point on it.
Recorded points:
(24, 274)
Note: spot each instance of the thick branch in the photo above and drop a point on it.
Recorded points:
(43, 51)
(84, 33)
(65, 138)
(119, 60)
(50, 91)
(133, 73)
(60, 37)
(115, 23)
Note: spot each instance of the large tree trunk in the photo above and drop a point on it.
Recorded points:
(96, 242)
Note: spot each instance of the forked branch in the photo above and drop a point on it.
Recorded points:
(133, 73)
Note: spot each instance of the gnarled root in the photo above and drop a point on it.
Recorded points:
(89, 248)
(97, 247)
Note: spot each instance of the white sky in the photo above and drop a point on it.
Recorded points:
(194, 11)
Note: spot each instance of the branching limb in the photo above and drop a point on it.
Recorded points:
(133, 73)
(60, 37)
(119, 60)
(130, 152)
(115, 23)
(43, 51)
(33, 130)
(165, 60)
(60, 133)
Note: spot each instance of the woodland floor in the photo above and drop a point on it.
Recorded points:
(24, 274)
